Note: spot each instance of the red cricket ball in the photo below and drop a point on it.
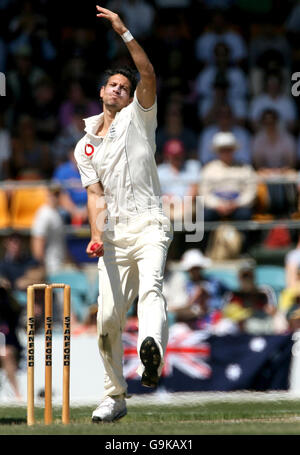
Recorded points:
(95, 246)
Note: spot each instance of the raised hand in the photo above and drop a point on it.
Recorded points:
(114, 19)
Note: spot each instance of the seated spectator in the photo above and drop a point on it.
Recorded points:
(228, 187)
(224, 122)
(76, 99)
(138, 15)
(219, 30)
(47, 234)
(274, 155)
(73, 198)
(68, 137)
(173, 128)
(10, 312)
(21, 80)
(271, 61)
(44, 110)
(237, 82)
(209, 107)
(273, 98)
(16, 263)
(258, 301)
(30, 28)
(173, 39)
(269, 38)
(178, 178)
(291, 294)
(191, 297)
(29, 155)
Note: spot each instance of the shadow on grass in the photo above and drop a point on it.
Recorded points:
(12, 421)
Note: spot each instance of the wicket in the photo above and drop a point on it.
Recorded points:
(48, 351)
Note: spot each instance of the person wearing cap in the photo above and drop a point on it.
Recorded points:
(178, 177)
(191, 296)
(228, 187)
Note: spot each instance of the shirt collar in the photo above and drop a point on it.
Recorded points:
(92, 123)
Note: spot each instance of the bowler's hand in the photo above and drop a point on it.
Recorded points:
(114, 19)
(95, 249)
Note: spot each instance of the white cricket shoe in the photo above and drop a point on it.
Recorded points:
(110, 409)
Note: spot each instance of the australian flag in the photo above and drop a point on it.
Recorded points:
(198, 361)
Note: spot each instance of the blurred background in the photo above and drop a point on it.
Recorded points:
(228, 130)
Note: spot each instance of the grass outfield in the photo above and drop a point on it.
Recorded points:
(217, 417)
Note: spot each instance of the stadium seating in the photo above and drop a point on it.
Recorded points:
(226, 276)
(82, 296)
(24, 204)
(4, 211)
(271, 275)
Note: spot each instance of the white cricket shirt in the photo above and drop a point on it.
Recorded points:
(123, 161)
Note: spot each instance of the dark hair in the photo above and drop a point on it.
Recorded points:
(269, 111)
(126, 71)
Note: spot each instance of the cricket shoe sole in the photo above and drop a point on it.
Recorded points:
(150, 357)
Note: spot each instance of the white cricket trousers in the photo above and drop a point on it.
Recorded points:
(133, 265)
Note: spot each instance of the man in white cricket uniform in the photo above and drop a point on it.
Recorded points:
(129, 232)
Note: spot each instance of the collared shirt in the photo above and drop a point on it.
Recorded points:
(123, 161)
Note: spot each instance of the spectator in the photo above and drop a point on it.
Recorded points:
(21, 81)
(209, 107)
(271, 62)
(16, 263)
(68, 137)
(76, 99)
(173, 128)
(273, 98)
(269, 38)
(218, 30)
(178, 178)
(30, 29)
(10, 312)
(191, 297)
(47, 234)
(257, 303)
(44, 110)
(174, 41)
(138, 15)
(289, 298)
(274, 155)
(228, 187)
(73, 198)
(29, 155)
(237, 82)
(224, 122)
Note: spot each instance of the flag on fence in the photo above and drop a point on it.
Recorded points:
(198, 361)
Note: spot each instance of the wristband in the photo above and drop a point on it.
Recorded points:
(127, 36)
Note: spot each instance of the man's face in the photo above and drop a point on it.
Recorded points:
(226, 154)
(116, 93)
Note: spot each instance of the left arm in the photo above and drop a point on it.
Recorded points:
(146, 88)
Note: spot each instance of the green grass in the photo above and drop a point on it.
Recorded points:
(280, 417)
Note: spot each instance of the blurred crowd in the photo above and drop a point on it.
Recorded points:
(228, 130)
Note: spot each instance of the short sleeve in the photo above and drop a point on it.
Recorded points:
(40, 224)
(87, 172)
(146, 117)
